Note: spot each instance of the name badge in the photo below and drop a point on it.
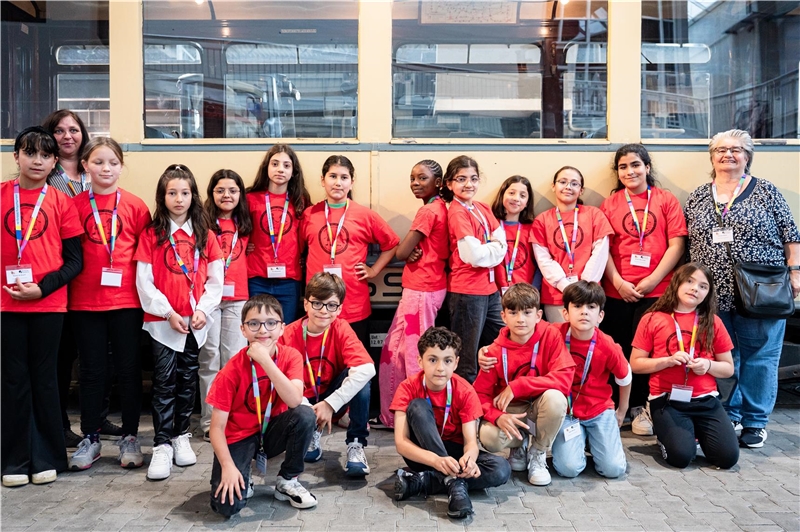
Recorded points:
(503, 290)
(333, 269)
(276, 271)
(228, 289)
(491, 276)
(720, 235)
(111, 277)
(572, 279)
(531, 427)
(23, 272)
(641, 259)
(680, 393)
(572, 431)
(261, 463)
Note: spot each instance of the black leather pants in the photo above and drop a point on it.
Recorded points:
(174, 388)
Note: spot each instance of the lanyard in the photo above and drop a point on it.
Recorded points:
(570, 248)
(257, 394)
(474, 211)
(588, 363)
(681, 346)
(69, 182)
(447, 405)
(276, 241)
(233, 241)
(23, 242)
(333, 240)
(510, 264)
(433, 199)
(639, 230)
(109, 246)
(504, 351)
(316, 383)
(185, 270)
(733, 197)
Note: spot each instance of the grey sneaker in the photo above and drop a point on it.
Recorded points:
(356, 460)
(291, 490)
(130, 452)
(314, 452)
(88, 453)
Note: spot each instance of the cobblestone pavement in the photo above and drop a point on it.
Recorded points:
(761, 493)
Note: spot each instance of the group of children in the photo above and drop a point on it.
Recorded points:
(187, 275)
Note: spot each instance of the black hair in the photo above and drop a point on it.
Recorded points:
(340, 160)
(462, 161)
(262, 301)
(499, 211)
(201, 225)
(584, 293)
(440, 337)
(241, 212)
(641, 152)
(296, 188)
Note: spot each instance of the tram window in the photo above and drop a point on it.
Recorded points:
(498, 70)
(173, 82)
(709, 66)
(87, 95)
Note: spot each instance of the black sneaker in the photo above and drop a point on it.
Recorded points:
(459, 506)
(71, 439)
(753, 437)
(109, 431)
(410, 484)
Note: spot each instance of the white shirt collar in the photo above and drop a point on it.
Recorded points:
(187, 227)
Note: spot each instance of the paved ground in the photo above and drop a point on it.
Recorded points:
(761, 493)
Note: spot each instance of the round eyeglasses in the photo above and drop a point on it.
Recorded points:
(255, 325)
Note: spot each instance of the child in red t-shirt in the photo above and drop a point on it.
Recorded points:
(684, 346)
(570, 241)
(445, 458)
(226, 206)
(179, 277)
(104, 304)
(591, 410)
(273, 256)
(513, 206)
(338, 369)
(39, 259)
(247, 426)
(527, 373)
(426, 251)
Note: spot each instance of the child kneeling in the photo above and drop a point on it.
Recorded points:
(258, 414)
(435, 429)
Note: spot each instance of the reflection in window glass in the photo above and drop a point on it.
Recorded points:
(711, 66)
(499, 70)
(82, 55)
(87, 95)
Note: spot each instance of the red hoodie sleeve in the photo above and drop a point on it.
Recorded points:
(485, 386)
(555, 367)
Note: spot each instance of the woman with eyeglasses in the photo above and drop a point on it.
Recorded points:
(741, 218)
(570, 241)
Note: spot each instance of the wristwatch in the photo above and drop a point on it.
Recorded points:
(794, 268)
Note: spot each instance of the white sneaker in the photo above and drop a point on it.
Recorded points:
(44, 477)
(184, 454)
(294, 492)
(161, 462)
(12, 481)
(130, 452)
(538, 475)
(642, 424)
(314, 451)
(357, 465)
(518, 459)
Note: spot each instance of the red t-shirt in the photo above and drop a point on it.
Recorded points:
(592, 226)
(264, 254)
(85, 291)
(465, 406)
(168, 277)
(428, 273)
(361, 227)
(656, 335)
(665, 220)
(57, 221)
(607, 359)
(464, 278)
(237, 271)
(553, 368)
(342, 350)
(524, 265)
(232, 391)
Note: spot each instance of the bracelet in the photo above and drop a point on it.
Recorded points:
(709, 365)
(168, 315)
(794, 268)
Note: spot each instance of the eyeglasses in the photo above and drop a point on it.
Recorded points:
(461, 180)
(330, 306)
(222, 191)
(269, 325)
(736, 150)
(568, 184)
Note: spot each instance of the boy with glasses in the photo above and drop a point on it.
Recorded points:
(337, 368)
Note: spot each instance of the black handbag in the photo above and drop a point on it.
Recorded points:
(762, 291)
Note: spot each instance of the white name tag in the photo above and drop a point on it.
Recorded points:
(682, 394)
(491, 276)
(504, 289)
(333, 269)
(111, 277)
(572, 431)
(261, 465)
(572, 279)
(720, 235)
(23, 272)
(641, 259)
(276, 271)
(228, 289)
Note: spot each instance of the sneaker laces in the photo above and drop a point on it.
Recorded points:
(315, 444)
(292, 486)
(128, 444)
(537, 460)
(84, 447)
(161, 455)
(182, 442)
(355, 453)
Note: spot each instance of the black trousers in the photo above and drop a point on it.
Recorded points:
(32, 435)
(93, 332)
(174, 388)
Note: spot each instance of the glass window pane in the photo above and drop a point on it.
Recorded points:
(527, 69)
(709, 66)
(82, 55)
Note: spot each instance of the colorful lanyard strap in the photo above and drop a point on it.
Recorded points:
(570, 248)
(733, 197)
(315, 382)
(447, 405)
(588, 363)
(185, 270)
(534, 354)
(109, 245)
(23, 242)
(331, 238)
(70, 184)
(510, 263)
(233, 241)
(433, 199)
(476, 212)
(257, 394)
(681, 346)
(276, 239)
(640, 230)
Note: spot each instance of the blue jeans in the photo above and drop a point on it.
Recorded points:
(477, 322)
(286, 291)
(359, 409)
(749, 395)
(569, 459)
